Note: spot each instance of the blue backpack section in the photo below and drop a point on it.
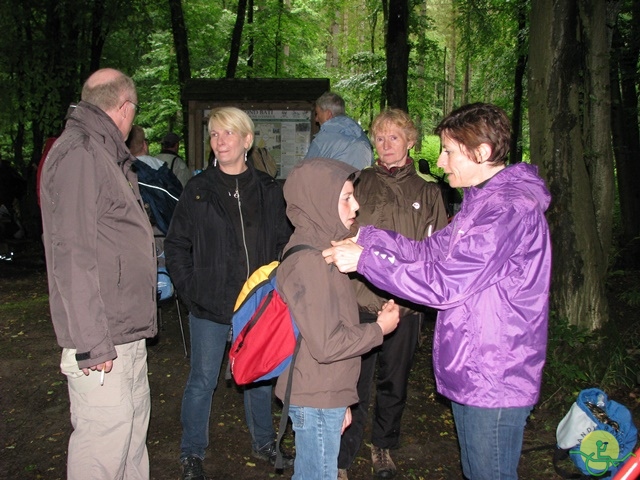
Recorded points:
(243, 315)
(165, 287)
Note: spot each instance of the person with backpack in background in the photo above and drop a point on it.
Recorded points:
(159, 187)
(169, 154)
(488, 273)
(230, 220)
(322, 301)
(139, 148)
(392, 196)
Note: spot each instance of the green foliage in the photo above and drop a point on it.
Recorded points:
(578, 359)
(158, 92)
(430, 151)
(630, 294)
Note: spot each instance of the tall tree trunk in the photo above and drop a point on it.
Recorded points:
(98, 34)
(518, 90)
(331, 59)
(450, 73)
(250, 50)
(181, 45)
(398, 54)
(569, 111)
(385, 22)
(236, 39)
(626, 135)
(278, 41)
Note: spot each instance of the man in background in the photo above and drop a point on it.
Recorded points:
(169, 154)
(139, 148)
(160, 189)
(101, 269)
(340, 137)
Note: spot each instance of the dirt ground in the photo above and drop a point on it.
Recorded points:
(35, 410)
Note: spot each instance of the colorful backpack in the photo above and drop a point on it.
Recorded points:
(264, 332)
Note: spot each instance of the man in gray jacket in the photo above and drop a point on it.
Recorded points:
(101, 268)
(340, 137)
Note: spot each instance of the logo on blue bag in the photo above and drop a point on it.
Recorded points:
(599, 451)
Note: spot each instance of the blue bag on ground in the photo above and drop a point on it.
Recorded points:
(598, 433)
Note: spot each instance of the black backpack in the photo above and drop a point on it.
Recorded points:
(160, 190)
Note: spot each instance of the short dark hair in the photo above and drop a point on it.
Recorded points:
(477, 123)
(136, 139)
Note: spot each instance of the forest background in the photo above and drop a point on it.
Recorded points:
(567, 73)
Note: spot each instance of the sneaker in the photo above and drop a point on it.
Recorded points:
(383, 466)
(269, 454)
(342, 474)
(192, 468)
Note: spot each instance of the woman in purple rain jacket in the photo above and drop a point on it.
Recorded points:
(488, 272)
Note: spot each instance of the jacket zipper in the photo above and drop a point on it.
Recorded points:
(236, 195)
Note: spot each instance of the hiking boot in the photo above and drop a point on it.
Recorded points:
(383, 466)
(342, 474)
(269, 454)
(192, 468)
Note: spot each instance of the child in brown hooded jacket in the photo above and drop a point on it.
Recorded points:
(321, 206)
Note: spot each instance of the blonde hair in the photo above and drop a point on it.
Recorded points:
(233, 119)
(397, 117)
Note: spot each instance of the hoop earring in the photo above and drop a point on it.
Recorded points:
(245, 156)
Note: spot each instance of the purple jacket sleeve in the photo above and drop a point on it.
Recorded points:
(453, 264)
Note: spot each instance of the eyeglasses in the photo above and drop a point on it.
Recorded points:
(136, 107)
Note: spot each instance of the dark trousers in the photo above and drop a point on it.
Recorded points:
(394, 359)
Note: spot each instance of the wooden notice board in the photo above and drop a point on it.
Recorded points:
(281, 109)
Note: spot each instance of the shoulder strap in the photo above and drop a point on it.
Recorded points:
(287, 394)
(285, 407)
(296, 248)
(173, 161)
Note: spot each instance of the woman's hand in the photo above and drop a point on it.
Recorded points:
(344, 254)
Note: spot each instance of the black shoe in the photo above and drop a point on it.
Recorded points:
(192, 468)
(269, 453)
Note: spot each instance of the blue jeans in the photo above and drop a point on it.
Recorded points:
(208, 346)
(490, 440)
(317, 438)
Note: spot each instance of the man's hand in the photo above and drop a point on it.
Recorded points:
(388, 317)
(106, 366)
(344, 254)
(346, 421)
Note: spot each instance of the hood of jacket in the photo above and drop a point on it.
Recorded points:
(343, 125)
(518, 181)
(312, 191)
